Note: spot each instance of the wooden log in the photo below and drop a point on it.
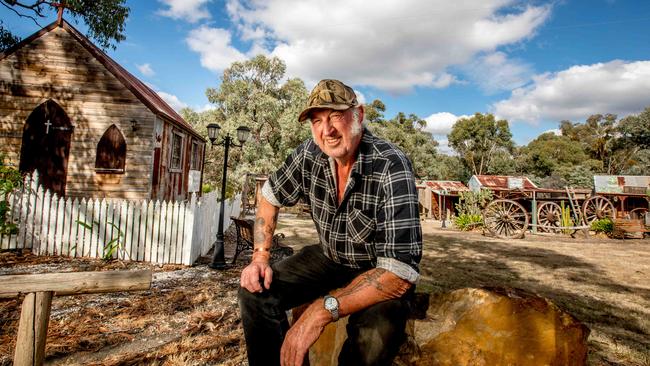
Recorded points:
(74, 283)
(32, 330)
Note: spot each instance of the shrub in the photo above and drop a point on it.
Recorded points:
(472, 203)
(468, 222)
(605, 225)
(10, 179)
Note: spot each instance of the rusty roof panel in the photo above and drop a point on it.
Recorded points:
(505, 182)
(448, 185)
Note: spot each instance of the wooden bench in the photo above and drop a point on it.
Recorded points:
(244, 229)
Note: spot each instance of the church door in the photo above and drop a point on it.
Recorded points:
(46, 145)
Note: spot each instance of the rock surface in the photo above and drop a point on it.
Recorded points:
(495, 327)
(475, 327)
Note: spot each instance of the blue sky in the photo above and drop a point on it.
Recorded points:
(533, 63)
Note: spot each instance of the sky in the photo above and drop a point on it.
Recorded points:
(533, 63)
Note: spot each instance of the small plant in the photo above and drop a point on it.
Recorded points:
(565, 218)
(207, 188)
(113, 245)
(10, 179)
(605, 225)
(468, 222)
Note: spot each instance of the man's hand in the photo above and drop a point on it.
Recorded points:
(304, 333)
(254, 273)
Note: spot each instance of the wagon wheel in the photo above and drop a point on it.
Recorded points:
(638, 213)
(549, 217)
(596, 208)
(505, 219)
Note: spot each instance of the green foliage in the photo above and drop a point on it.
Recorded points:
(10, 179)
(407, 132)
(207, 188)
(113, 245)
(468, 222)
(478, 140)
(105, 18)
(252, 93)
(605, 225)
(472, 203)
(7, 39)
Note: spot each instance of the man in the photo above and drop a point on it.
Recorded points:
(364, 204)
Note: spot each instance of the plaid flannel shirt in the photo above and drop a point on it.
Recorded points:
(377, 223)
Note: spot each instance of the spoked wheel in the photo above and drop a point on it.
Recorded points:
(596, 208)
(505, 219)
(549, 217)
(638, 213)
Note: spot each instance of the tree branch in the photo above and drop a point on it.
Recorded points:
(35, 7)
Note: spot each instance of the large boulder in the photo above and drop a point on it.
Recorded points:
(478, 327)
(494, 327)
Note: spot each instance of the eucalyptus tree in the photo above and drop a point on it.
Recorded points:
(105, 18)
(480, 138)
(254, 93)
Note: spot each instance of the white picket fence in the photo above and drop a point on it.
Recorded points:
(149, 231)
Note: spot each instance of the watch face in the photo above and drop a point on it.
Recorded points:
(331, 303)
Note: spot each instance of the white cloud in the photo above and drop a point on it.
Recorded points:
(189, 10)
(392, 45)
(214, 46)
(443, 145)
(441, 123)
(146, 70)
(555, 131)
(172, 100)
(617, 87)
(360, 97)
(494, 72)
(206, 107)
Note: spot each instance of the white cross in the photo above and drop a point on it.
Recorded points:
(47, 128)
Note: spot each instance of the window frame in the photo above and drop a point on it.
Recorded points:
(172, 167)
(105, 170)
(195, 156)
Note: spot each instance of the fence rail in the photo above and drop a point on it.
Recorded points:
(149, 231)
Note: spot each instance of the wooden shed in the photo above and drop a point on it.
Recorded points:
(438, 198)
(88, 126)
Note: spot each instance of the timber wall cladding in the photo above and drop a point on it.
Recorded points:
(55, 66)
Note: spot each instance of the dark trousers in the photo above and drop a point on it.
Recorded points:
(374, 334)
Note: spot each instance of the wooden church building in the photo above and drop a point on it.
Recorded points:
(89, 127)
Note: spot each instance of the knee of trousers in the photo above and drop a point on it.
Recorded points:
(259, 304)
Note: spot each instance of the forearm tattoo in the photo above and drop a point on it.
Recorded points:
(260, 236)
(263, 231)
(367, 279)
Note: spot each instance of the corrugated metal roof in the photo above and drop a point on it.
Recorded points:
(450, 186)
(505, 182)
(147, 96)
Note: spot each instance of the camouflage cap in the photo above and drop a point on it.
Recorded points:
(329, 94)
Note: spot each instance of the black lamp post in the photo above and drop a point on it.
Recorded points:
(243, 133)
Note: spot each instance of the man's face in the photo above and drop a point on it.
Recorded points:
(336, 132)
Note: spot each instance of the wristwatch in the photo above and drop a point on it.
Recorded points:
(332, 305)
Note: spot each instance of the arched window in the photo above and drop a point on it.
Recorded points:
(111, 152)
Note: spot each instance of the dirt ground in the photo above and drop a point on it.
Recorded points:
(190, 315)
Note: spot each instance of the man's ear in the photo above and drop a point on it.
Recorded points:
(362, 112)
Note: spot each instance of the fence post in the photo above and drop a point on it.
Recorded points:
(188, 231)
(32, 329)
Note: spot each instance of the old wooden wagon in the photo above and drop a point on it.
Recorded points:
(520, 204)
